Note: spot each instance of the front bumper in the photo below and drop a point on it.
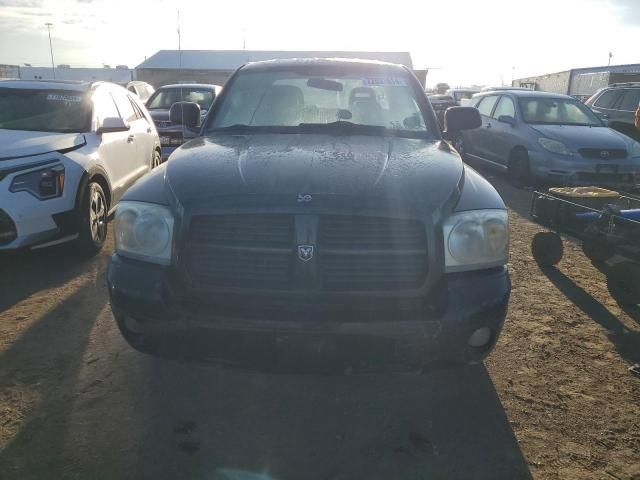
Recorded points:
(579, 171)
(142, 295)
(28, 221)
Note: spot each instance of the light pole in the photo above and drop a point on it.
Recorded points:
(53, 67)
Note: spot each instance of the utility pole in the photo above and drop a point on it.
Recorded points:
(53, 66)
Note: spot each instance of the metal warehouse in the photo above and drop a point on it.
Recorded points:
(581, 82)
(215, 66)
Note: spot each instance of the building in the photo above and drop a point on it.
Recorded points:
(581, 82)
(122, 74)
(215, 66)
(9, 71)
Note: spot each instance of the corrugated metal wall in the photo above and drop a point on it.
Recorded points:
(553, 82)
(159, 77)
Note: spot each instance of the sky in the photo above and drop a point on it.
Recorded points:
(462, 42)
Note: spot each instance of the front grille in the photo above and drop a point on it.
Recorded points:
(603, 153)
(8, 232)
(371, 253)
(352, 253)
(248, 251)
(601, 177)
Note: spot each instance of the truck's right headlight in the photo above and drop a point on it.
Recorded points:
(476, 239)
(144, 231)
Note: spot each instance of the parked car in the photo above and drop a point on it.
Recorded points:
(440, 104)
(68, 152)
(142, 89)
(320, 209)
(462, 96)
(549, 138)
(173, 135)
(616, 105)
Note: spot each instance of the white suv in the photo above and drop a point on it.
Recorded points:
(68, 152)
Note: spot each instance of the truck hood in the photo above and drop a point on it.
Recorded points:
(575, 136)
(19, 143)
(417, 171)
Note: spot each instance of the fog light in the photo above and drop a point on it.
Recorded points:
(480, 337)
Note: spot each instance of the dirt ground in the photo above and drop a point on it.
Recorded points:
(554, 401)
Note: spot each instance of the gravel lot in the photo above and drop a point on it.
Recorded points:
(555, 399)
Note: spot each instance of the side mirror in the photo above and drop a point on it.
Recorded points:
(461, 118)
(113, 124)
(185, 113)
(508, 119)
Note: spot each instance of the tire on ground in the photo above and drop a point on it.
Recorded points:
(596, 248)
(547, 248)
(518, 168)
(92, 211)
(623, 281)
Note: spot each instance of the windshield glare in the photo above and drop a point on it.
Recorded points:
(164, 98)
(555, 111)
(289, 99)
(61, 111)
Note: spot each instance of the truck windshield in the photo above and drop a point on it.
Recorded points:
(42, 110)
(165, 97)
(314, 99)
(557, 111)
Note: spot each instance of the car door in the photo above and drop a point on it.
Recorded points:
(502, 136)
(114, 148)
(603, 106)
(138, 163)
(622, 117)
(477, 140)
(148, 135)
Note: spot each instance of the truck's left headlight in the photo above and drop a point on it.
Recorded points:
(144, 231)
(476, 239)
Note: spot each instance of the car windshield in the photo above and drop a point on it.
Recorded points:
(165, 97)
(557, 111)
(377, 102)
(43, 110)
(463, 95)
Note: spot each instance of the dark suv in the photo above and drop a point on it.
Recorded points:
(319, 214)
(617, 104)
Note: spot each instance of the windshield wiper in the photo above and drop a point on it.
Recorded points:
(343, 125)
(235, 126)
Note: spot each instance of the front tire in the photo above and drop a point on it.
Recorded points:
(519, 169)
(156, 159)
(547, 248)
(93, 219)
(597, 248)
(623, 282)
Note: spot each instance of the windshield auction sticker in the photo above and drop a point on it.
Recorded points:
(64, 98)
(384, 82)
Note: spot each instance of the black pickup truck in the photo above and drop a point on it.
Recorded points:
(319, 212)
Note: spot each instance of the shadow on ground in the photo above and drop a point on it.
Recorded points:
(205, 422)
(39, 372)
(625, 341)
(25, 273)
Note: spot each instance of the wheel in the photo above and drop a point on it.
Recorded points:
(156, 160)
(518, 169)
(623, 282)
(596, 248)
(93, 219)
(547, 248)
